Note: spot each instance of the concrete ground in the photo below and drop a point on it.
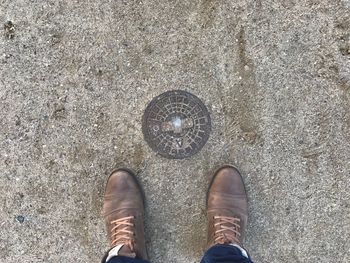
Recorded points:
(77, 75)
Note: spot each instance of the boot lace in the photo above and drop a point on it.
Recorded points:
(226, 229)
(123, 232)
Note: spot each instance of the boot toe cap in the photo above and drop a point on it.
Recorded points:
(228, 180)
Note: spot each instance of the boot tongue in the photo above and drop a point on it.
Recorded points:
(224, 240)
(125, 251)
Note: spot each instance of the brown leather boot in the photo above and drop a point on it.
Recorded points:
(123, 211)
(226, 208)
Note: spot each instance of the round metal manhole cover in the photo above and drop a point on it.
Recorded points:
(176, 124)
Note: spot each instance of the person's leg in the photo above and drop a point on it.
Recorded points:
(123, 211)
(225, 254)
(227, 218)
(121, 259)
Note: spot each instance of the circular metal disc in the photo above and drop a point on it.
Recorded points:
(176, 124)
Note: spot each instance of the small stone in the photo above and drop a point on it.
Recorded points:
(20, 219)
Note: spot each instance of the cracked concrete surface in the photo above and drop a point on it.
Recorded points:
(77, 75)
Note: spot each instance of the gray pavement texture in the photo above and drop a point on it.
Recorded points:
(77, 75)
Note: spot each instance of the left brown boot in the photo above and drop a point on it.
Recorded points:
(123, 211)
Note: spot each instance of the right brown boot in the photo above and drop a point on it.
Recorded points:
(123, 211)
(226, 208)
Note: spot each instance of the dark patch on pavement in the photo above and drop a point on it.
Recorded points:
(9, 29)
